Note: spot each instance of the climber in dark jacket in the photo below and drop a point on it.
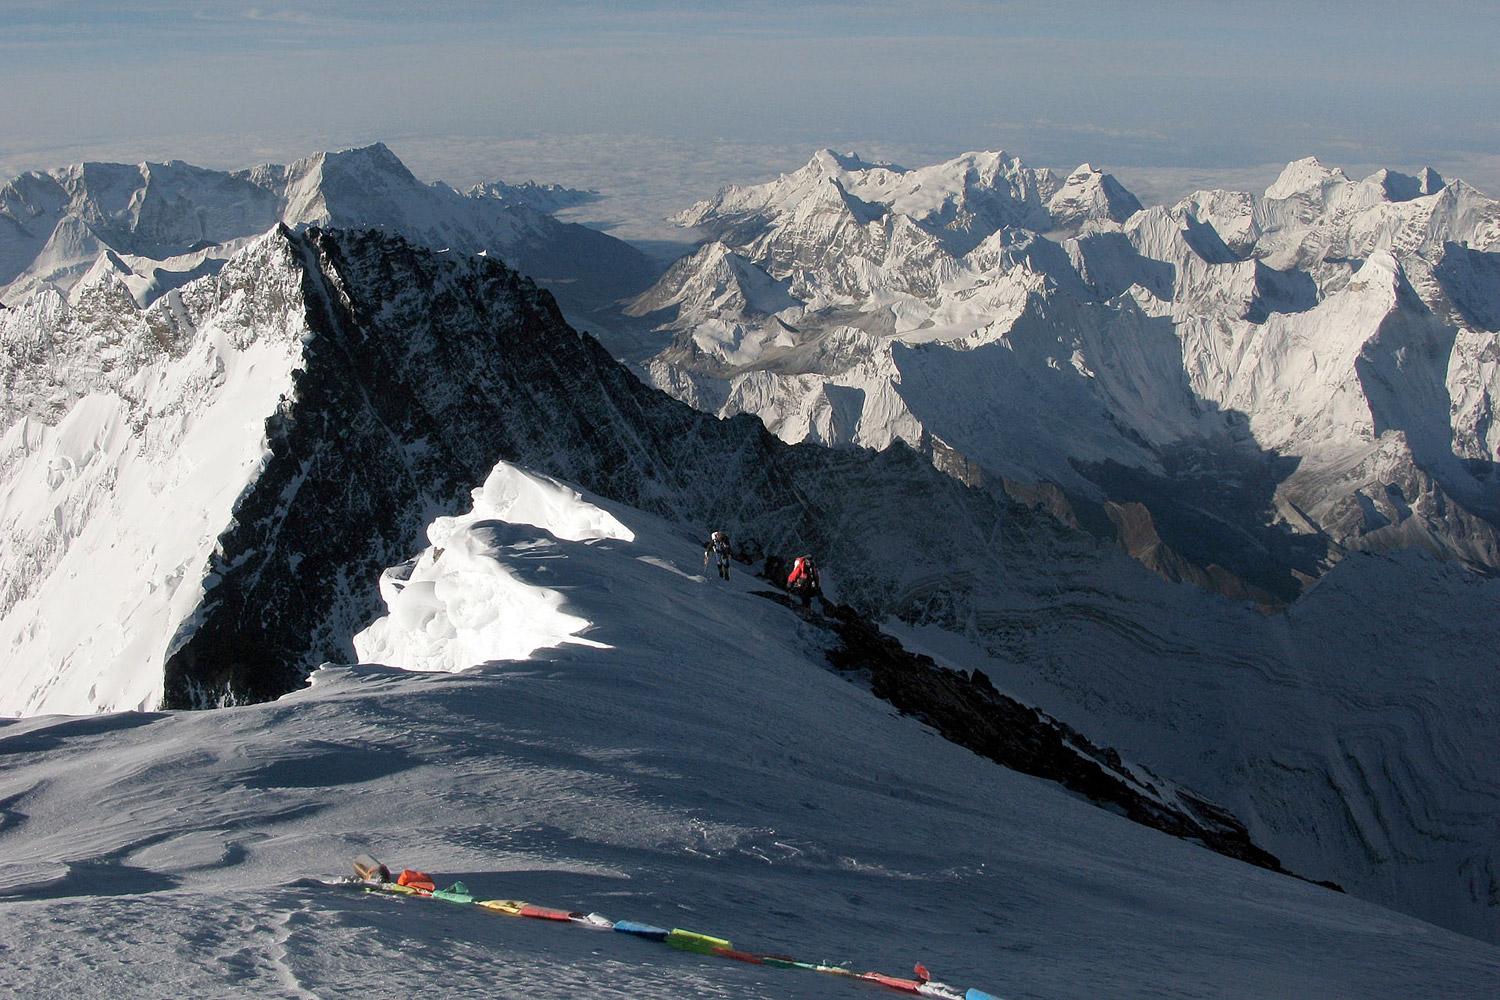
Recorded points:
(717, 547)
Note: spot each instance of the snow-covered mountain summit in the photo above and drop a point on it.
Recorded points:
(168, 223)
(1300, 373)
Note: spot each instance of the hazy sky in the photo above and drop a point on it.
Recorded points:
(469, 90)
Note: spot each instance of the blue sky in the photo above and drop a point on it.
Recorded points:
(1193, 85)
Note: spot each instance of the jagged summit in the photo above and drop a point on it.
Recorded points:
(1404, 187)
(1090, 194)
(1306, 176)
(833, 163)
(717, 279)
(540, 197)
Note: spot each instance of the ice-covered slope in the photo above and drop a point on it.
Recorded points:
(168, 223)
(695, 766)
(1327, 347)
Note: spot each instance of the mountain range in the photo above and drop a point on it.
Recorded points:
(1241, 389)
(161, 224)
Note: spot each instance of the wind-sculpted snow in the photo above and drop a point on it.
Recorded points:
(707, 771)
(461, 602)
(1341, 334)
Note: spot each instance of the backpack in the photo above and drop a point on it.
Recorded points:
(804, 575)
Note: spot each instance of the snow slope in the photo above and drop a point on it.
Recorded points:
(1328, 347)
(695, 766)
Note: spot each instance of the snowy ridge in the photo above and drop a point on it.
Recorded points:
(1332, 341)
(705, 771)
(493, 585)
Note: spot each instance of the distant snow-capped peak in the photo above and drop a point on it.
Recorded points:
(1090, 194)
(169, 223)
(962, 199)
(1341, 325)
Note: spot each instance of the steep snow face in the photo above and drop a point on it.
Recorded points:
(484, 590)
(131, 434)
(1336, 335)
(168, 223)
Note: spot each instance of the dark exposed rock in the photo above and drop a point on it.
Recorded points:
(967, 709)
(426, 368)
(1137, 535)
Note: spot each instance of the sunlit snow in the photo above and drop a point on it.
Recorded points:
(493, 584)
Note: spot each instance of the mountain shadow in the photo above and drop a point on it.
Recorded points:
(1215, 507)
